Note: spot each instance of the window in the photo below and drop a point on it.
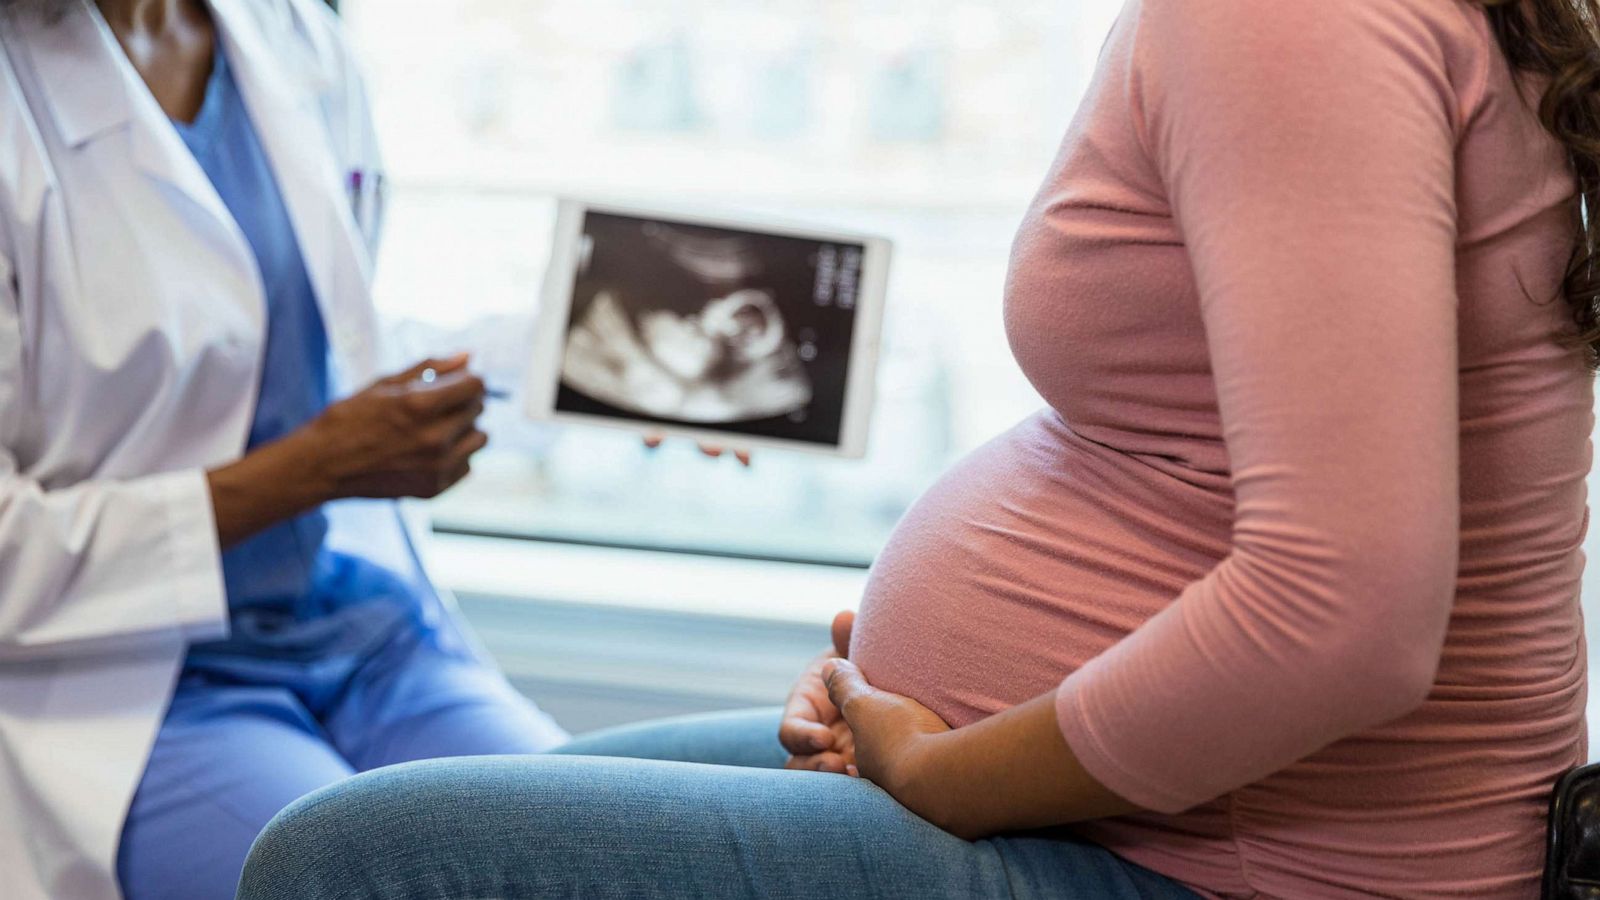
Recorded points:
(929, 121)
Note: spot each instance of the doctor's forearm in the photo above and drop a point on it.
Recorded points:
(276, 482)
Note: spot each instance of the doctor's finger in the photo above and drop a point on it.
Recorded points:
(445, 394)
(715, 451)
(440, 366)
(450, 478)
(441, 436)
(464, 449)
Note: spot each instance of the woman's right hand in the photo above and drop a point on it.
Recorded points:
(813, 731)
(402, 436)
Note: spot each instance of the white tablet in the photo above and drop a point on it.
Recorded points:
(742, 333)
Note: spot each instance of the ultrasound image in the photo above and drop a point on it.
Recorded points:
(711, 327)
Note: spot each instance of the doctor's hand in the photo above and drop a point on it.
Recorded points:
(812, 728)
(404, 436)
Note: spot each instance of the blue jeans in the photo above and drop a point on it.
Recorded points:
(698, 812)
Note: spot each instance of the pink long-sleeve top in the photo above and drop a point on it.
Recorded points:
(1297, 541)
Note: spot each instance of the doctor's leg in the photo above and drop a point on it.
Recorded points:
(424, 695)
(226, 760)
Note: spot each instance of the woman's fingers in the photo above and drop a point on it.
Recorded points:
(800, 735)
(802, 730)
(845, 684)
(840, 758)
(843, 624)
(820, 762)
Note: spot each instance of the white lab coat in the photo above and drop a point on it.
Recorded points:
(131, 332)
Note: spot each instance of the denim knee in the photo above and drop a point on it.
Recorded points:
(300, 845)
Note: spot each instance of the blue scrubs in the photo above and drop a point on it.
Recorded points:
(331, 668)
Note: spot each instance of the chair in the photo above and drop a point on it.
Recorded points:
(1572, 856)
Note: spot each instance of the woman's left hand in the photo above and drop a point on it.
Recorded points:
(896, 739)
(1011, 771)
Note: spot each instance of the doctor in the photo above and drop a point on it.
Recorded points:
(209, 602)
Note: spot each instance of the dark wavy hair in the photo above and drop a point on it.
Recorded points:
(1559, 40)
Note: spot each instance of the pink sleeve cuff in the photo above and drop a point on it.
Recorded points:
(1078, 726)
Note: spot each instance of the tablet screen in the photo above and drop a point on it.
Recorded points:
(734, 330)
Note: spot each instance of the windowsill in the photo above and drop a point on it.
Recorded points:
(644, 580)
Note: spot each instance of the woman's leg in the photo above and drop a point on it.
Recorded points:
(226, 760)
(747, 737)
(608, 829)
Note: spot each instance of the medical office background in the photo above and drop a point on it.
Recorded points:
(615, 583)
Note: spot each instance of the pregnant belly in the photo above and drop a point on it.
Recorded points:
(1026, 560)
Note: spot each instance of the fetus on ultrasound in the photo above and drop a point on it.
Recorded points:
(678, 326)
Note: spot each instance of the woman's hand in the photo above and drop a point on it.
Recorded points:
(1012, 771)
(402, 437)
(812, 730)
(895, 738)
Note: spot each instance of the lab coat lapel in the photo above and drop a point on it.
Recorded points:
(93, 90)
(281, 97)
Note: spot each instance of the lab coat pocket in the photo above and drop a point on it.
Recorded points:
(367, 190)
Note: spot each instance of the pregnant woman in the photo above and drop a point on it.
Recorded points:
(1278, 598)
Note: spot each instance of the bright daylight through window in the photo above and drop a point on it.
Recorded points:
(928, 121)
